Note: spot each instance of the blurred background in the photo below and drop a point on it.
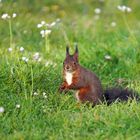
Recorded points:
(80, 18)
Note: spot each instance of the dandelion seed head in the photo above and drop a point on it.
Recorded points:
(1, 109)
(10, 49)
(97, 10)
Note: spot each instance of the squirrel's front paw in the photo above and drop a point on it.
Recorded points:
(61, 89)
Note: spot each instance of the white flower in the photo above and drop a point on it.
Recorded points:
(52, 24)
(1, 109)
(97, 10)
(35, 93)
(14, 15)
(48, 63)
(4, 16)
(107, 57)
(42, 32)
(25, 59)
(39, 25)
(39, 60)
(128, 9)
(44, 93)
(43, 22)
(124, 8)
(36, 56)
(45, 96)
(10, 49)
(113, 24)
(45, 32)
(21, 49)
(58, 20)
(17, 105)
(47, 25)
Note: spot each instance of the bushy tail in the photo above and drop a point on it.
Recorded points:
(119, 94)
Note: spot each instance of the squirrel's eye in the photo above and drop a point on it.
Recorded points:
(74, 63)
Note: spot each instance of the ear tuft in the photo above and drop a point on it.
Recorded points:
(76, 52)
(76, 48)
(67, 50)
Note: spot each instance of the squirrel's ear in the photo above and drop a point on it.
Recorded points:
(76, 48)
(76, 52)
(67, 50)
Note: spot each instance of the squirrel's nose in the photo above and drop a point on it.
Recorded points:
(67, 67)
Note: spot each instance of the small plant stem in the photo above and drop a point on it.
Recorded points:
(32, 87)
(10, 31)
(47, 44)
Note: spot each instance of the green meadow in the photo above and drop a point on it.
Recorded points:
(33, 38)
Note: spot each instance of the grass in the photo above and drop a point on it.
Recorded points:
(58, 116)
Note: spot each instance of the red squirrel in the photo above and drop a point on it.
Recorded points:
(86, 84)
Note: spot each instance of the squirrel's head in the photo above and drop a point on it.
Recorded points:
(71, 61)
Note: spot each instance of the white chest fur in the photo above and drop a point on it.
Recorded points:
(68, 77)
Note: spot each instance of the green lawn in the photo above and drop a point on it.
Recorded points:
(29, 79)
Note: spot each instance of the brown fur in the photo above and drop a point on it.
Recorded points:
(83, 80)
(87, 85)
